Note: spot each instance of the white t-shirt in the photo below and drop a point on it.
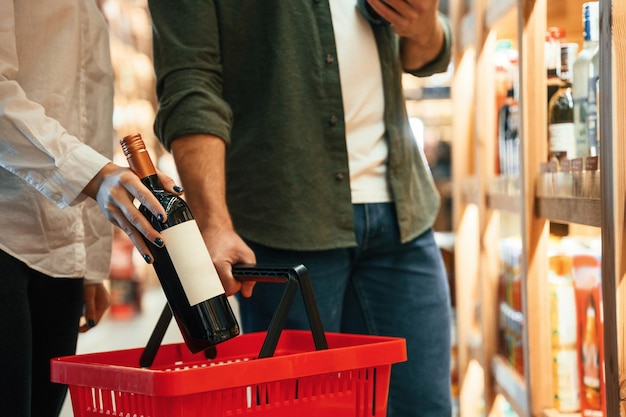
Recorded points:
(363, 101)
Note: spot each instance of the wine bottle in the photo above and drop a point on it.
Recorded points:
(554, 38)
(508, 135)
(561, 133)
(184, 267)
(591, 359)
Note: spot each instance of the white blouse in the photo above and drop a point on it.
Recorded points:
(56, 133)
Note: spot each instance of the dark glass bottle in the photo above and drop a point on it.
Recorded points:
(561, 130)
(554, 37)
(187, 275)
(508, 135)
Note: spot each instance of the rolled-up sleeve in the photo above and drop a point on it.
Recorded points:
(189, 71)
(442, 60)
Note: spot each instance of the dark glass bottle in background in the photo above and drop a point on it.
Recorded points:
(508, 135)
(554, 38)
(561, 130)
(184, 267)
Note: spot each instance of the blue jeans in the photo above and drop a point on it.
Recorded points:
(379, 287)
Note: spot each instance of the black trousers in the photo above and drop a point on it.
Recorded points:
(39, 317)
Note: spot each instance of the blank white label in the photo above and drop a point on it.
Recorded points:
(192, 262)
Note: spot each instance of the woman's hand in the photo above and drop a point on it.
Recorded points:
(115, 188)
(97, 300)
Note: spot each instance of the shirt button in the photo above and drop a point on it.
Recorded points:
(333, 120)
(330, 58)
(339, 176)
(56, 197)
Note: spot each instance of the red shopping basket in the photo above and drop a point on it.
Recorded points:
(295, 374)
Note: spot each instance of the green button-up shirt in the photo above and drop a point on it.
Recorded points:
(263, 76)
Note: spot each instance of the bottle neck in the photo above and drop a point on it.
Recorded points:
(140, 163)
(591, 22)
(152, 182)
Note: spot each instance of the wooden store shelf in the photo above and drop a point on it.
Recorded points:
(510, 384)
(482, 201)
(585, 211)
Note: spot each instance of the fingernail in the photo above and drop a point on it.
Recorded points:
(160, 217)
(159, 242)
(147, 258)
(178, 189)
(91, 323)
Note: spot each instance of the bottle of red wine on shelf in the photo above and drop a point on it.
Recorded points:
(184, 267)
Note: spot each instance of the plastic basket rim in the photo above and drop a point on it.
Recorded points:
(365, 352)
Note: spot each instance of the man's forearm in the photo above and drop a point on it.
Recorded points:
(201, 167)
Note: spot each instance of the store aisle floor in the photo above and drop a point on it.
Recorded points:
(113, 334)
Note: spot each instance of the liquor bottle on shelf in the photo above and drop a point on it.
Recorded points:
(586, 71)
(564, 337)
(561, 134)
(554, 37)
(587, 284)
(593, 106)
(508, 135)
(502, 75)
(591, 357)
(508, 111)
(184, 267)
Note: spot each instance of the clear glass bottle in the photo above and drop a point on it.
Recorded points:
(584, 83)
(507, 75)
(593, 105)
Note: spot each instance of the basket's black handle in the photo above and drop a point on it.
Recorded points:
(152, 347)
(295, 277)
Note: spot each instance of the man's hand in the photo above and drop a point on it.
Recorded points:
(227, 249)
(416, 22)
(97, 300)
